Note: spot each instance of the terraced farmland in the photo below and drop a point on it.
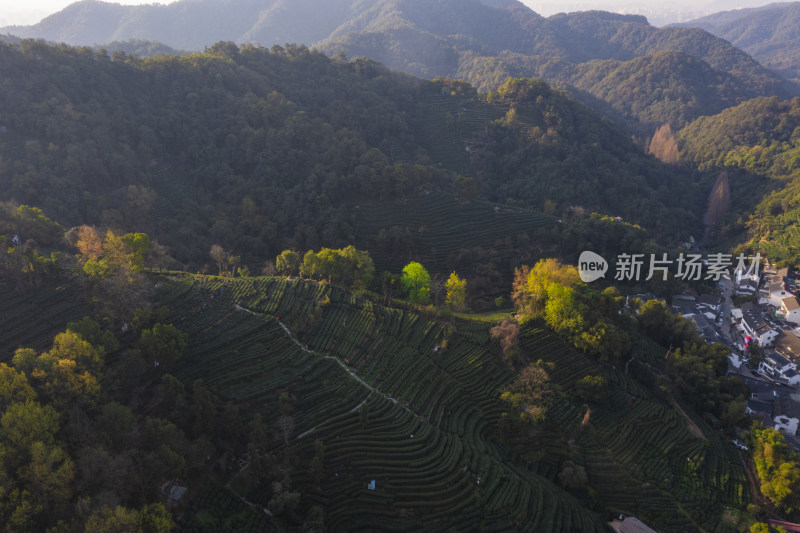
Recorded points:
(448, 123)
(31, 317)
(430, 440)
(446, 232)
(640, 453)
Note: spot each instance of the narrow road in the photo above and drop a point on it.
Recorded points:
(727, 304)
(755, 493)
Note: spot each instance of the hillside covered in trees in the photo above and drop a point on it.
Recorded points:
(260, 151)
(758, 143)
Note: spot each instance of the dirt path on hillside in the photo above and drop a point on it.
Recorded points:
(690, 425)
(752, 481)
(338, 361)
(693, 428)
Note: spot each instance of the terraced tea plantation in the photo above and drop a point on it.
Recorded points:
(30, 318)
(429, 440)
(448, 123)
(642, 455)
(427, 443)
(446, 233)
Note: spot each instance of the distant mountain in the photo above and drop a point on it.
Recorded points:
(664, 87)
(482, 41)
(134, 47)
(771, 34)
(195, 24)
(646, 74)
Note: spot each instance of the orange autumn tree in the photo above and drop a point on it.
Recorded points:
(89, 244)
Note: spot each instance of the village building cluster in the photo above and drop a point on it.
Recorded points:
(763, 335)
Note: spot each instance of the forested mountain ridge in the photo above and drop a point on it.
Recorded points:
(771, 34)
(758, 143)
(262, 151)
(479, 41)
(643, 93)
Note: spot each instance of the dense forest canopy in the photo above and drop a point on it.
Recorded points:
(758, 141)
(261, 150)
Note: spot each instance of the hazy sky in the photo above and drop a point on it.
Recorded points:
(32, 11)
(667, 11)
